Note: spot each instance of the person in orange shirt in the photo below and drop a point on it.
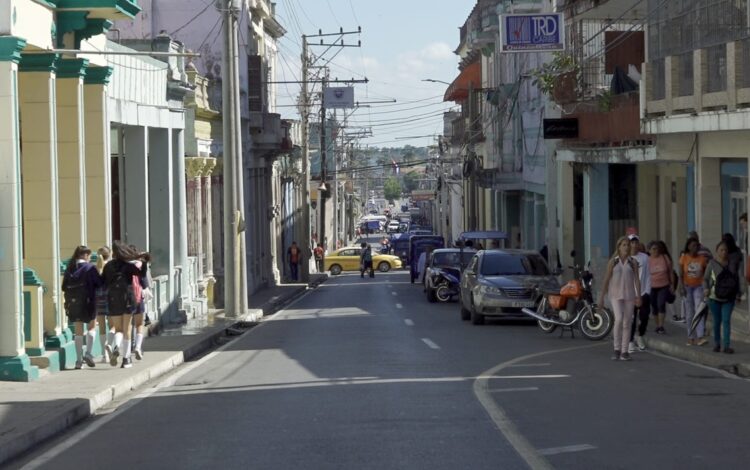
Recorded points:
(692, 269)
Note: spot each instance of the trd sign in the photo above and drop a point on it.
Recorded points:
(542, 32)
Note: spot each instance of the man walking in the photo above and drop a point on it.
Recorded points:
(365, 260)
(294, 256)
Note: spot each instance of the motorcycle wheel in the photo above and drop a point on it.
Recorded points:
(546, 327)
(596, 322)
(442, 293)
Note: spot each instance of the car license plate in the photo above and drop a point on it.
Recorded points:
(524, 304)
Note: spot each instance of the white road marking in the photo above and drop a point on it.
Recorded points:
(399, 306)
(430, 343)
(394, 293)
(528, 453)
(409, 322)
(538, 364)
(566, 449)
(516, 389)
(550, 376)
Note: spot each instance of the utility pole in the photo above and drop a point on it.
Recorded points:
(233, 255)
(323, 166)
(305, 112)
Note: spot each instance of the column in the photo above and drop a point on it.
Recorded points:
(708, 200)
(40, 195)
(208, 244)
(98, 160)
(596, 211)
(161, 203)
(179, 206)
(134, 190)
(71, 154)
(14, 363)
(194, 171)
(217, 225)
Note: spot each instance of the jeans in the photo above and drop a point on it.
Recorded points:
(693, 298)
(722, 315)
(294, 269)
(623, 319)
(640, 317)
(659, 299)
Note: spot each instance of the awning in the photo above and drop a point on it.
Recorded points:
(470, 77)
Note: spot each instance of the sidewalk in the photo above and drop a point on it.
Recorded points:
(675, 344)
(31, 413)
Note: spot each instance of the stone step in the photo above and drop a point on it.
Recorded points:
(48, 362)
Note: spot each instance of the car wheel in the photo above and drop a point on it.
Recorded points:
(335, 270)
(431, 297)
(476, 318)
(384, 267)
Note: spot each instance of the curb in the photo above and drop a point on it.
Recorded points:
(84, 408)
(699, 355)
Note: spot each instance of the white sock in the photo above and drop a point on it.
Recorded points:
(79, 346)
(118, 340)
(139, 342)
(111, 339)
(90, 341)
(125, 348)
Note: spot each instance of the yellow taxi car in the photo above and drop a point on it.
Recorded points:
(347, 259)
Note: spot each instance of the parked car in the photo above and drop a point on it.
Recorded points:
(499, 283)
(393, 226)
(347, 259)
(444, 272)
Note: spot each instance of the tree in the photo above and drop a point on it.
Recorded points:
(411, 181)
(392, 189)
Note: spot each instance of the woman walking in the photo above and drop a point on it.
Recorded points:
(118, 275)
(721, 289)
(141, 290)
(623, 287)
(692, 270)
(106, 332)
(79, 286)
(643, 312)
(660, 268)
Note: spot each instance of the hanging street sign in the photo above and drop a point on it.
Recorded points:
(338, 97)
(539, 32)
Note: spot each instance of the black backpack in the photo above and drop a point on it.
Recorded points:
(77, 302)
(368, 254)
(120, 289)
(726, 285)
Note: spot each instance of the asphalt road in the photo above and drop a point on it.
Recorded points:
(365, 374)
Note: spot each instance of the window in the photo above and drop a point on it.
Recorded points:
(513, 265)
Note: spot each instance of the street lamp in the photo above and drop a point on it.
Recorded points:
(435, 81)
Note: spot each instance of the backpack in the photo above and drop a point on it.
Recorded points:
(368, 254)
(120, 290)
(726, 285)
(77, 303)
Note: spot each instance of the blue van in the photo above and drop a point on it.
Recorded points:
(418, 244)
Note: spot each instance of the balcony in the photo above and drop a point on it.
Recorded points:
(267, 134)
(107, 9)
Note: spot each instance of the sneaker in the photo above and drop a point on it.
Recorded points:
(702, 341)
(717, 349)
(676, 317)
(89, 360)
(641, 342)
(105, 356)
(79, 364)
(113, 357)
(681, 320)
(626, 357)
(138, 354)
(616, 356)
(661, 331)
(631, 347)
(690, 342)
(127, 363)
(728, 351)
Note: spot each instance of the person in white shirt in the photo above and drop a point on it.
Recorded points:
(642, 313)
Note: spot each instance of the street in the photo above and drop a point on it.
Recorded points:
(364, 373)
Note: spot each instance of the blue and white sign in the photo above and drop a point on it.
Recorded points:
(541, 32)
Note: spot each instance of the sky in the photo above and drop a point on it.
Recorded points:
(403, 42)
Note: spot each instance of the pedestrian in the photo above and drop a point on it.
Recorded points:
(702, 249)
(623, 287)
(734, 254)
(318, 254)
(142, 293)
(692, 271)
(365, 260)
(743, 229)
(641, 313)
(422, 265)
(294, 257)
(79, 284)
(660, 268)
(721, 289)
(106, 331)
(118, 276)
